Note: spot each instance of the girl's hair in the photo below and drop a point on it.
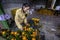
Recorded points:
(26, 5)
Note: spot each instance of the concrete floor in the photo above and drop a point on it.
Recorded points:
(49, 24)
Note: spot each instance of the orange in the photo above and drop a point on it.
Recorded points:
(24, 38)
(12, 32)
(23, 33)
(15, 33)
(33, 38)
(13, 39)
(34, 33)
(3, 32)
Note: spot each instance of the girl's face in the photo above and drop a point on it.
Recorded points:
(26, 8)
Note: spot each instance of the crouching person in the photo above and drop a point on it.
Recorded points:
(21, 16)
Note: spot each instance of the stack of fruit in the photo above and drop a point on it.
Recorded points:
(36, 21)
(48, 12)
(28, 33)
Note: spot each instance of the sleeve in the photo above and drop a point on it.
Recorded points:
(25, 20)
(17, 21)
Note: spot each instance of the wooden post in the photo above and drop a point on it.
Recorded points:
(53, 4)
